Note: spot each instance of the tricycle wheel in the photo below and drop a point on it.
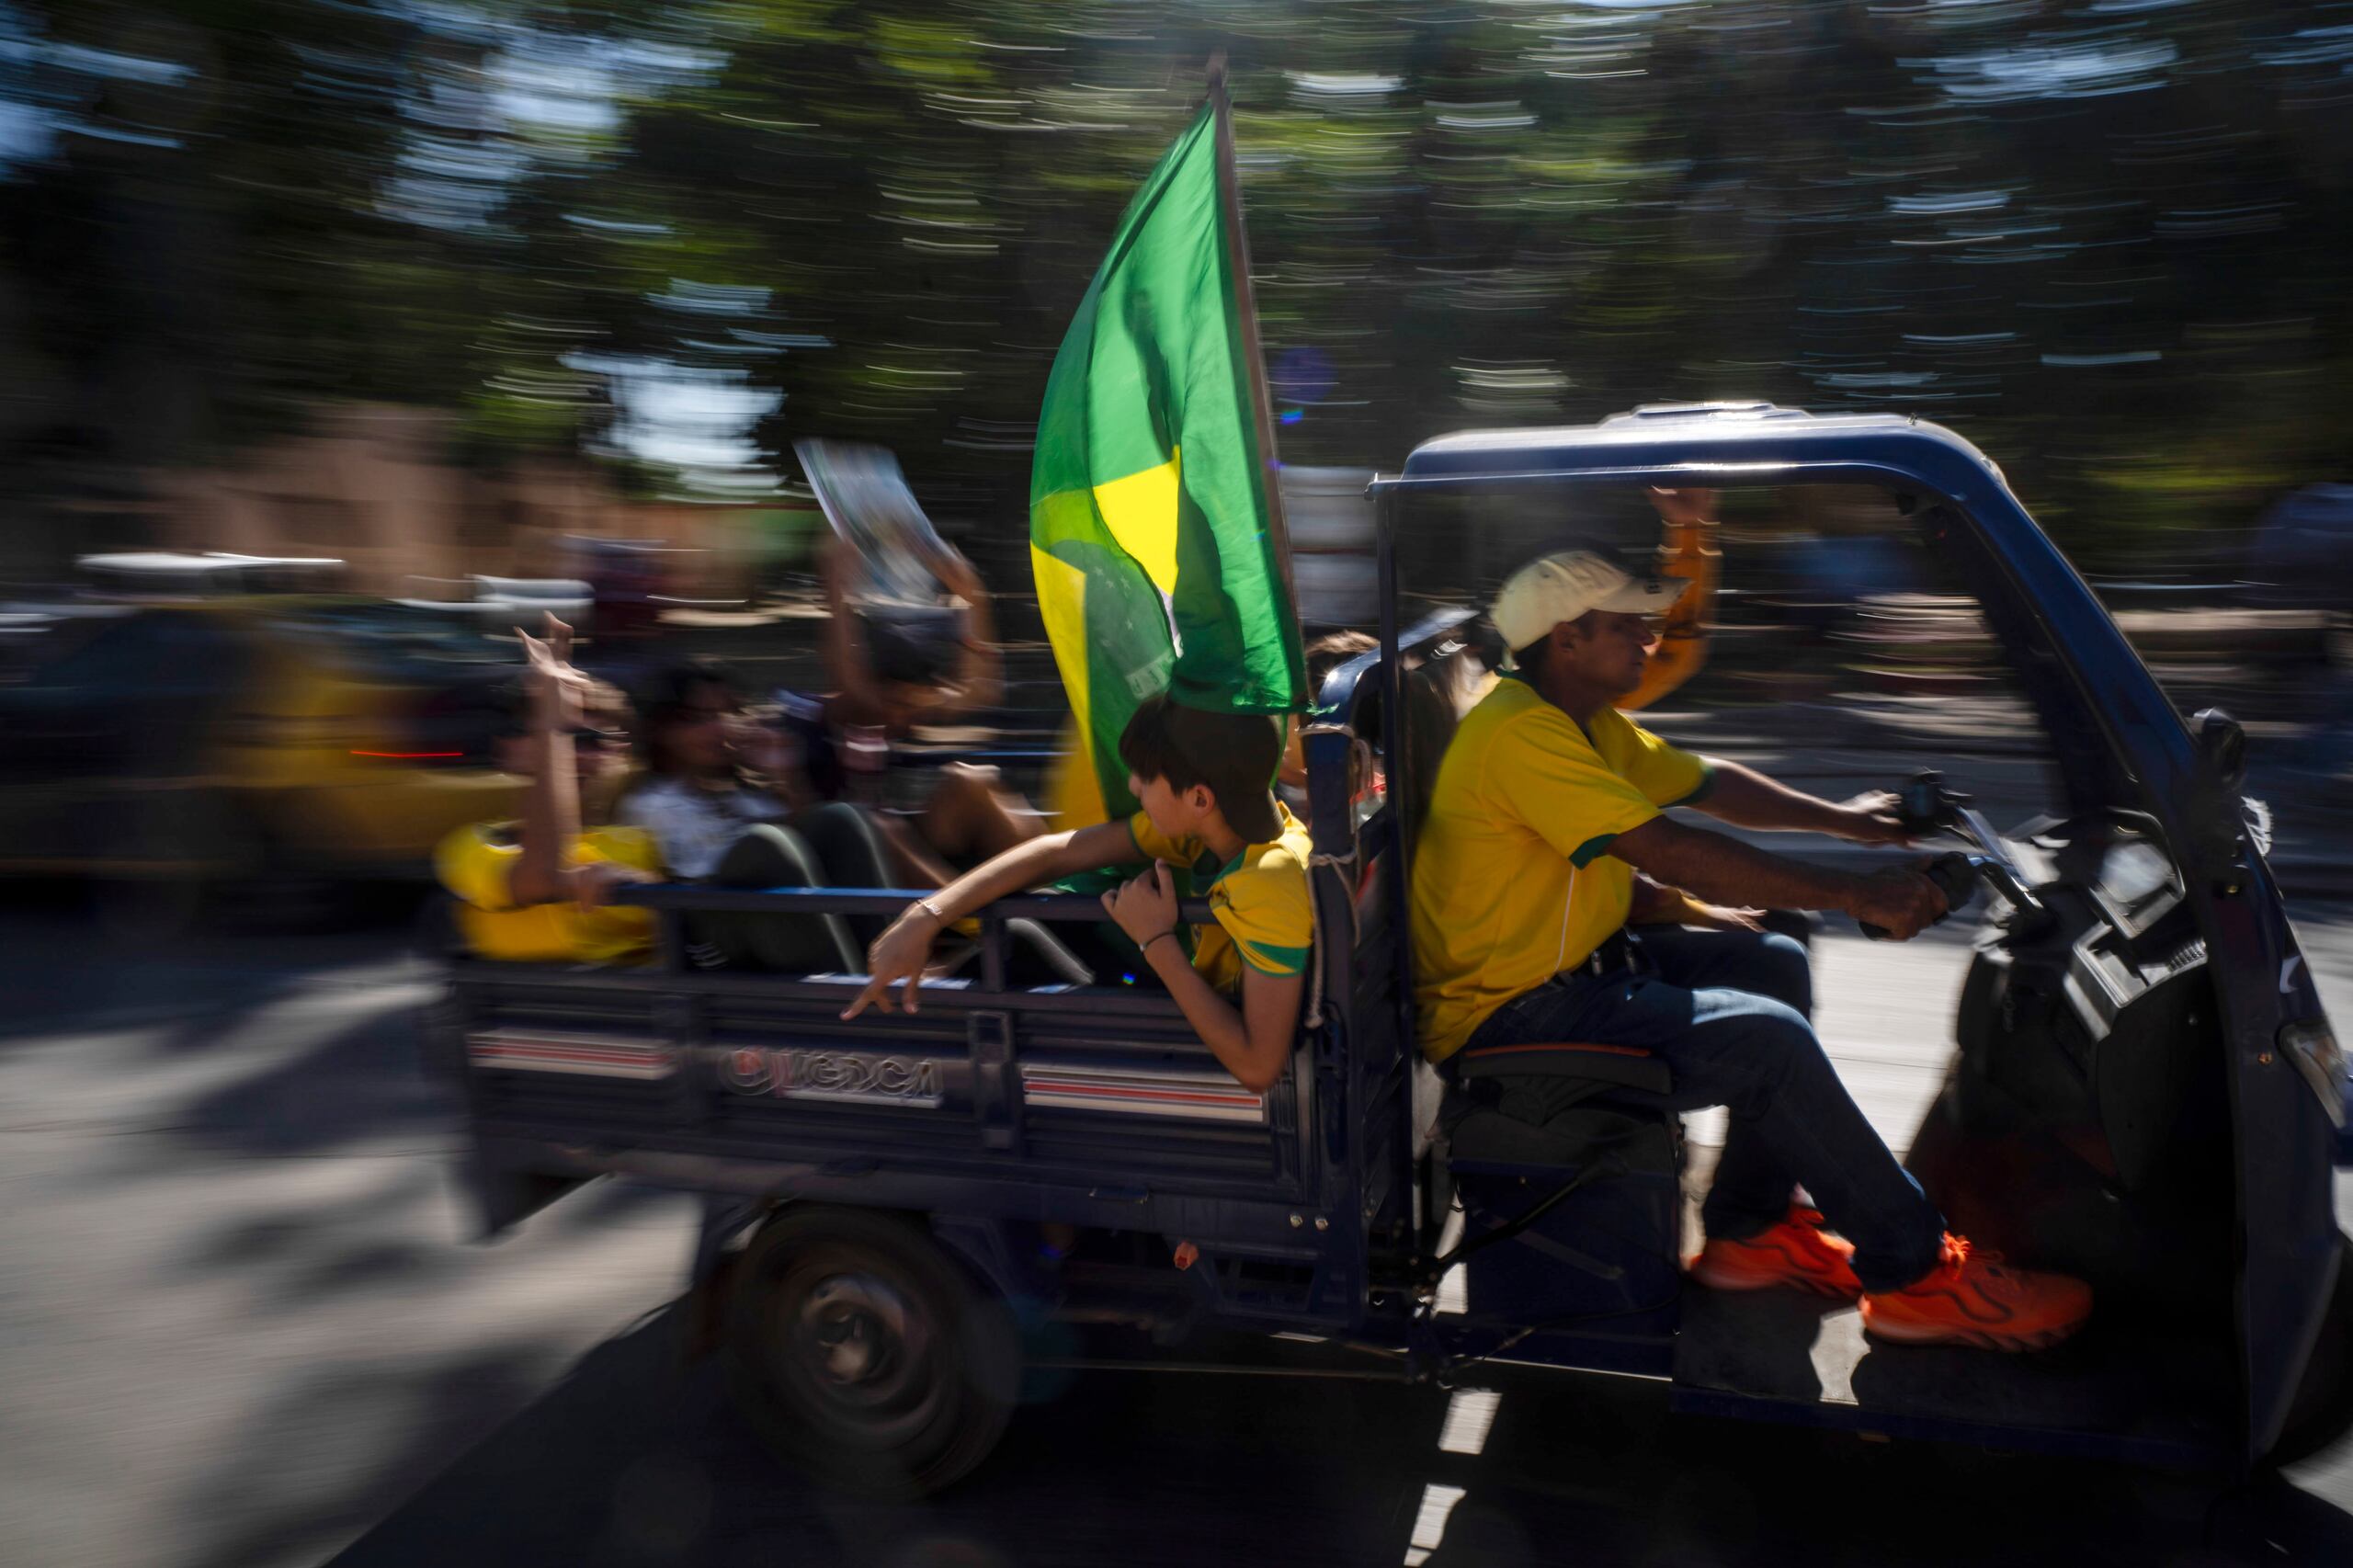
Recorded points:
(864, 1354)
(2324, 1408)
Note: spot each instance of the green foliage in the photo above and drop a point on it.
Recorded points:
(2103, 242)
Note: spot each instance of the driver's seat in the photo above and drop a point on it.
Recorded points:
(1489, 1121)
(1558, 1153)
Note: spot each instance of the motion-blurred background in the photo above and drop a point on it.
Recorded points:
(339, 337)
(447, 310)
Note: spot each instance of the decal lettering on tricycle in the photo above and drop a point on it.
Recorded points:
(852, 1078)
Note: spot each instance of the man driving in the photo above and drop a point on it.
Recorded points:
(1548, 802)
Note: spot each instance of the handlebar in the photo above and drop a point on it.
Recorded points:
(1955, 875)
(1925, 807)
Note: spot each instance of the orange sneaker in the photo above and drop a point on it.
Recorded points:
(1795, 1252)
(1972, 1298)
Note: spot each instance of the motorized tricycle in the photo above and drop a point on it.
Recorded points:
(2145, 1091)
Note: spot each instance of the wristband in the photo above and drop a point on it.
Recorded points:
(933, 910)
(1148, 941)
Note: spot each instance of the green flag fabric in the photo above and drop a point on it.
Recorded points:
(1156, 561)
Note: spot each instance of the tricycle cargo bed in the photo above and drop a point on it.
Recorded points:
(1094, 1105)
(1081, 1087)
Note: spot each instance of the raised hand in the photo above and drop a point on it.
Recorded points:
(559, 692)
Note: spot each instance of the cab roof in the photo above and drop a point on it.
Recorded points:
(1725, 439)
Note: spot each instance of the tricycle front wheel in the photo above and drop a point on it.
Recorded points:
(864, 1354)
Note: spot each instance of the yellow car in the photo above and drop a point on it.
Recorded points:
(234, 740)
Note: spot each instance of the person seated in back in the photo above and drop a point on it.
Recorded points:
(536, 890)
(709, 774)
(1323, 655)
(1203, 781)
(889, 678)
(727, 803)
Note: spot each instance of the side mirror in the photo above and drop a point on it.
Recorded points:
(2221, 745)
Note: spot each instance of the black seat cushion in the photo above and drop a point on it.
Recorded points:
(1034, 956)
(1487, 1135)
(788, 941)
(848, 850)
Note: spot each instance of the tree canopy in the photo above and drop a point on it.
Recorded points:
(2103, 238)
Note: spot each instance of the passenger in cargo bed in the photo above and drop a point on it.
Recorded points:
(535, 890)
(1209, 823)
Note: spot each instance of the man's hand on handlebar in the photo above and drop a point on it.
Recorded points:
(1901, 900)
(900, 954)
(1873, 817)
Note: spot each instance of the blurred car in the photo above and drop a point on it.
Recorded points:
(625, 580)
(233, 740)
(156, 575)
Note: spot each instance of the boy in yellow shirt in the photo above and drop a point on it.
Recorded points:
(1204, 782)
(535, 890)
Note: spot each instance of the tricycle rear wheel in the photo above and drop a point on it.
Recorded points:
(863, 1353)
(2323, 1410)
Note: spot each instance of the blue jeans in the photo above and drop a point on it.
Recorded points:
(1727, 1012)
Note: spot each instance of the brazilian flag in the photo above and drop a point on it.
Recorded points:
(1153, 527)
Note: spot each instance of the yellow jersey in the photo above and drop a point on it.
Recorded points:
(1259, 899)
(477, 864)
(1512, 881)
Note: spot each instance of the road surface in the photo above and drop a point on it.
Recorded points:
(241, 1324)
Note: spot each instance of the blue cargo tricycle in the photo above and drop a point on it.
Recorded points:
(2144, 1092)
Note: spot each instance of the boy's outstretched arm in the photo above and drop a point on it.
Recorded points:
(901, 953)
(1253, 1044)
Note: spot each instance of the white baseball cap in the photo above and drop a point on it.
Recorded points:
(1566, 584)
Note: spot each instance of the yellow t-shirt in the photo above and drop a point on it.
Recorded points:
(477, 864)
(1259, 898)
(1513, 881)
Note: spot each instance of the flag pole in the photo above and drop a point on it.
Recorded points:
(1246, 309)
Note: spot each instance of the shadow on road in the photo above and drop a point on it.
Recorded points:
(632, 1459)
(299, 1431)
(64, 969)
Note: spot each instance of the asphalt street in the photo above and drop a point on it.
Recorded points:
(242, 1324)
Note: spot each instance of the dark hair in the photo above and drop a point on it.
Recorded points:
(1150, 748)
(1329, 651)
(1234, 754)
(665, 699)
